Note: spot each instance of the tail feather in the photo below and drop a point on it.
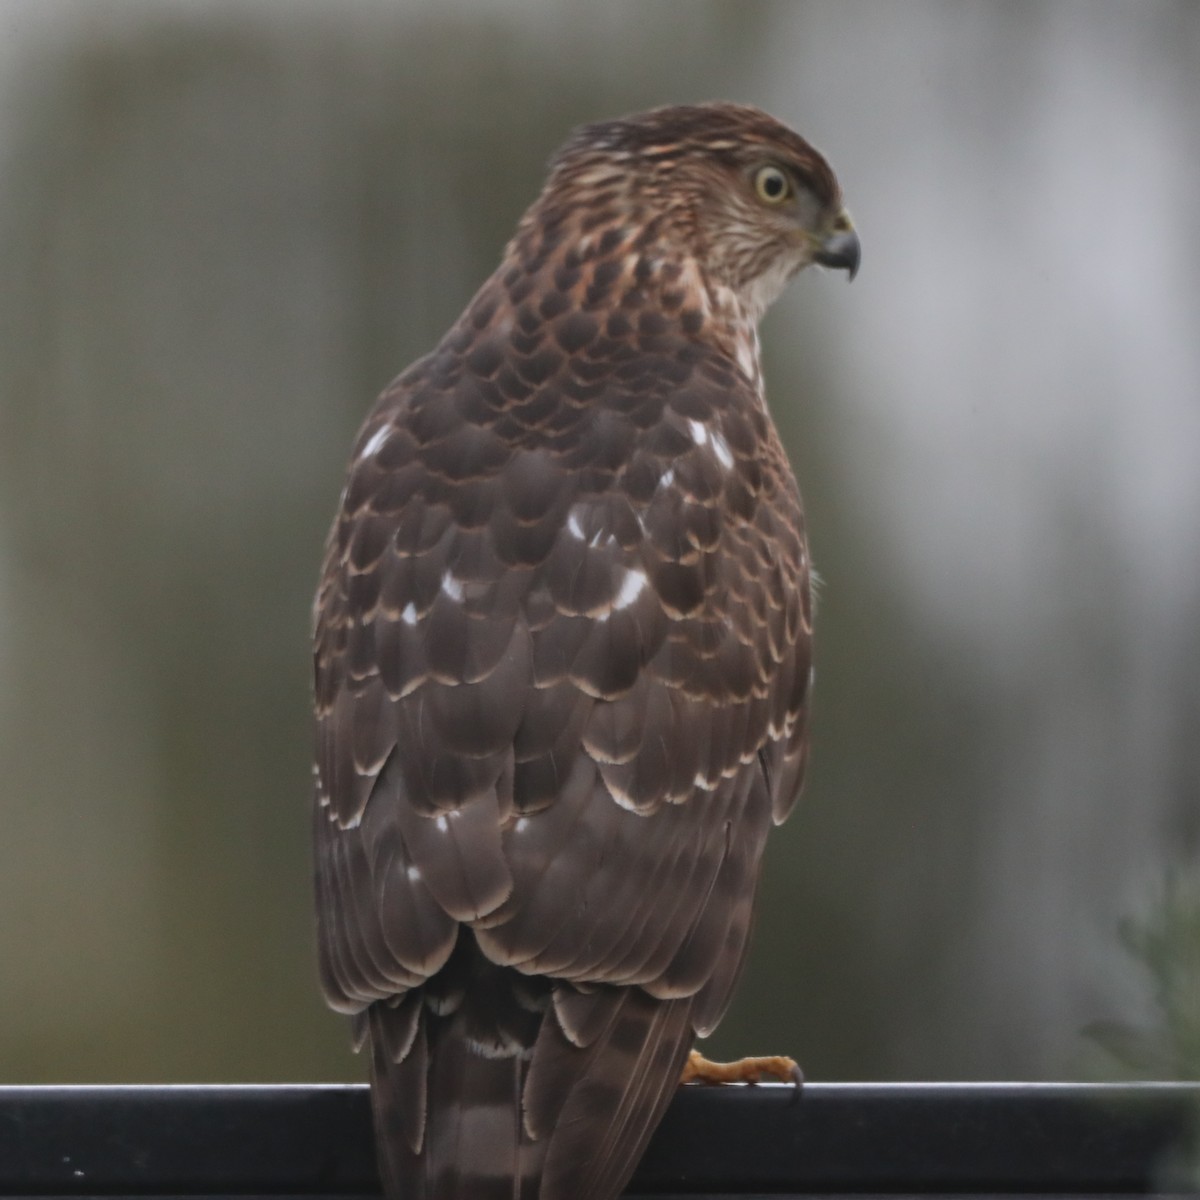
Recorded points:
(398, 1093)
(447, 1118)
(617, 1099)
(494, 1098)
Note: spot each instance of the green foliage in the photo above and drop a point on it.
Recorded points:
(1166, 944)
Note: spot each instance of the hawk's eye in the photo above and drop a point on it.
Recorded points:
(772, 185)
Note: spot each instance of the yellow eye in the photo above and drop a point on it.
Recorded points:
(772, 185)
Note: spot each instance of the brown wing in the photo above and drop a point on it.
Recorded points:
(562, 655)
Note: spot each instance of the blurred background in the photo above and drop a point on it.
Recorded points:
(224, 226)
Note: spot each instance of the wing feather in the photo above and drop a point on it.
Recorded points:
(561, 667)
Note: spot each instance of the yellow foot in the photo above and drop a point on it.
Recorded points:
(699, 1069)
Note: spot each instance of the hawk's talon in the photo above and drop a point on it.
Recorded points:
(699, 1069)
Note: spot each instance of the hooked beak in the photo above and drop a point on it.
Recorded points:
(841, 249)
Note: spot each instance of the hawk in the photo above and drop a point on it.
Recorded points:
(562, 647)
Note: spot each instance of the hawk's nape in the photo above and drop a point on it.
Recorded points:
(562, 652)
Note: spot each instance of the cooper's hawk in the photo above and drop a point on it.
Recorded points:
(562, 645)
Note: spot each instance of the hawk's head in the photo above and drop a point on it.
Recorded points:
(726, 185)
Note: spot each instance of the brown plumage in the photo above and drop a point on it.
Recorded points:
(562, 648)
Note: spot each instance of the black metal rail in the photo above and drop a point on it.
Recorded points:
(880, 1140)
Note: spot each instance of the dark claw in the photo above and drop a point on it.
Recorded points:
(798, 1079)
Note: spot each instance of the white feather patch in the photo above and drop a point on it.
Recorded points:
(632, 587)
(376, 440)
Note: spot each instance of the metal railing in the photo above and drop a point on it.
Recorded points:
(869, 1139)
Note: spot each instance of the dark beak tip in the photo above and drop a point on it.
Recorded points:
(842, 252)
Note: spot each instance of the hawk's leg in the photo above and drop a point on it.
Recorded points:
(699, 1069)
